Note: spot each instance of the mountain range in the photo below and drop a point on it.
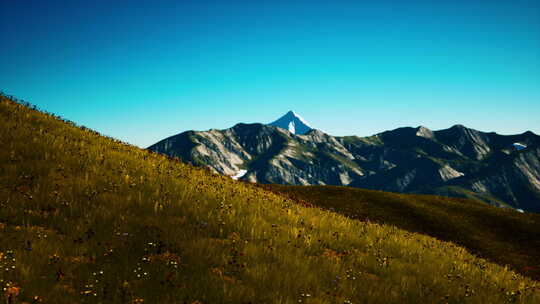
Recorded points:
(502, 170)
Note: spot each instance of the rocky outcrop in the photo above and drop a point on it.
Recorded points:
(457, 161)
(515, 179)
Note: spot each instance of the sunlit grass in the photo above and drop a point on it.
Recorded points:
(498, 234)
(84, 218)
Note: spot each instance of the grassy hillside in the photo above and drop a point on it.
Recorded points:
(461, 192)
(501, 235)
(86, 219)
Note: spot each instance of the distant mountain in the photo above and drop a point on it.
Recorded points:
(460, 162)
(293, 123)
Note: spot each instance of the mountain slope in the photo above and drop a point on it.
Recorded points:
(501, 235)
(500, 170)
(87, 219)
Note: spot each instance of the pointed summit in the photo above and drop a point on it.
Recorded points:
(293, 123)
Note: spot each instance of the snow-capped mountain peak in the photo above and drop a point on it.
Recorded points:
(292, 122)
(519, 146)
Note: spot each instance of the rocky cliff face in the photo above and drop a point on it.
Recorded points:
(513, 178)
(457, 161)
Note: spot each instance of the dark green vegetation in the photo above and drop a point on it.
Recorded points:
(501, 235)
(86, 219)
(456, 162)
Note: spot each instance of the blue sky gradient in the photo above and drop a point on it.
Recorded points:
(151, 69)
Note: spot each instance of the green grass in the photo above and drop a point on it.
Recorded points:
(87, 219)
(501, 235)
(456, 191)
(371, 140)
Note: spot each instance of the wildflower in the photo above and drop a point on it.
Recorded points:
(54, 258)
(12, 292)
(528, 268)
(217, 271)
(229, 279)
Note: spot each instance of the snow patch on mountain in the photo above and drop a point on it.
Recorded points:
(291, 127)
(239, 174)
(519, 146)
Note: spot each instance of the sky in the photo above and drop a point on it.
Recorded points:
(140, 71)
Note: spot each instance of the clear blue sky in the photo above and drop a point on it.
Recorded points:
(144, 70)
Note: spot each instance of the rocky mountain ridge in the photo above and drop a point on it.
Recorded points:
(498, 169)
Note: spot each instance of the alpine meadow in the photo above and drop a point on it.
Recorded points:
(88, 219)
